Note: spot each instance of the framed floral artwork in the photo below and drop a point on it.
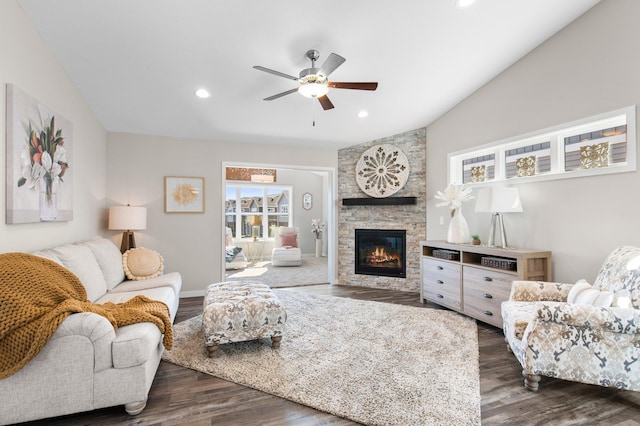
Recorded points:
(183, 194)
(39, 166)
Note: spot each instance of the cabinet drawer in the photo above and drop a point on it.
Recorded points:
(441, 282)
(484, 292)
(443, 296)
(439, 272)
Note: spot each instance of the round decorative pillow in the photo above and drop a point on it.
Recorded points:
(142, 263)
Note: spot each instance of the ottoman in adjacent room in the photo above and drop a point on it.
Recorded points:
(237, 311)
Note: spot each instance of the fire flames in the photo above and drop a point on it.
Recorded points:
(380, 257)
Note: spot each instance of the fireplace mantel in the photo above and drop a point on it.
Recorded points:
(389, 201)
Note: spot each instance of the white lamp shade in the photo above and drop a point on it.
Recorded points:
(498, 200)
(127, 218)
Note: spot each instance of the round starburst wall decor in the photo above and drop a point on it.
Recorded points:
(382, 171)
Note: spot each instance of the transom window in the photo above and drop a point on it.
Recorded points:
(255, 210)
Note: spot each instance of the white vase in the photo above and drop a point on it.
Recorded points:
(458, 229)
(318, 247)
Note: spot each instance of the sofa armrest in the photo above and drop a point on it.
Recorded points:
(616, 320)
(534, 291)
(94, 327)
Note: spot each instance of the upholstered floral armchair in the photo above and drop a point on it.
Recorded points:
(579, 332)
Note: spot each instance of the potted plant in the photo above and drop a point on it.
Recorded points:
(476, 240)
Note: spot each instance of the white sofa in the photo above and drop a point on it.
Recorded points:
(87, 364)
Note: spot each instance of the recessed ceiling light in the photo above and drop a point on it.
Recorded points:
(363, 114)
(203, 93)
(464, 3)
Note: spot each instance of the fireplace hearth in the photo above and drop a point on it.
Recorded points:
(381, 252)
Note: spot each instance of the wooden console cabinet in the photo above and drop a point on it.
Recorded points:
(466, 283)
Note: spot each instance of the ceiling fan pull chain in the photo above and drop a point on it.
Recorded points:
(313, 111)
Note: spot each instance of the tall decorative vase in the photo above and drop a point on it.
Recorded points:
(458, 229)
(48, 200)
(318, 247)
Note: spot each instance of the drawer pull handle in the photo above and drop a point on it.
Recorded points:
(440, 268)
(440, 282)
(489, 313)
(487, 296)
(488, 279)
(439, 296)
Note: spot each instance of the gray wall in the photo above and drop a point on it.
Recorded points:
(29, 64)
(191, 243)
(302, 182)
(590, 67)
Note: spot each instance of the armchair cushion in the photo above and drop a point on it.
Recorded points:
(582, 293)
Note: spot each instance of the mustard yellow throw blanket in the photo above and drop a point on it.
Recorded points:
(37, 294)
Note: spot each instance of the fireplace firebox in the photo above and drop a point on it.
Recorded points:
(381, 252)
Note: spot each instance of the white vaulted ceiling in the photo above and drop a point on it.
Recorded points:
(138, 62)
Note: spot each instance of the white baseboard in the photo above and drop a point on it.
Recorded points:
(196, 293)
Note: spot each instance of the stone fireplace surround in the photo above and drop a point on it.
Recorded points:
(411, 218)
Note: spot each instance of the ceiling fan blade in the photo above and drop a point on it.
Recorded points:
(325, 102)
(270, 71)
(356, 86)
(279, 95)
(330, 65)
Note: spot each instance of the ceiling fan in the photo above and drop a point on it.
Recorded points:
(314, 81)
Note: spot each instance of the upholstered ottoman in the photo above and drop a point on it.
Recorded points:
(286, 256)
(239, 311)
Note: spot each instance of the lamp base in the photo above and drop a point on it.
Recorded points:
(128, 241)
(496, 221)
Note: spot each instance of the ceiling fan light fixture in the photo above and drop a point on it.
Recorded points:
(363, 114)
(203, 93)
(313, 90)
(464, 3)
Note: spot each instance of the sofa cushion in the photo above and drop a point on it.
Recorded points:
(109, 259)
(161, 294)
(142, 263)
(80, 260)
(172, 280)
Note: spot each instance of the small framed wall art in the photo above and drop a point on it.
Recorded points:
(183, 194)
(307, 201)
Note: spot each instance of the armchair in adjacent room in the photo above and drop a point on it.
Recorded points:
(579, 332)
(286, 251)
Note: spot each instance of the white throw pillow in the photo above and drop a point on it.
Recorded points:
(576, 289)
(582, 293)
(622, 300)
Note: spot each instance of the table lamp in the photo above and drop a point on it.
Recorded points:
(498, 200)
(127, 219)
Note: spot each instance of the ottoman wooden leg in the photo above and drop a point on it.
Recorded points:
(213, 351)
(275, 342)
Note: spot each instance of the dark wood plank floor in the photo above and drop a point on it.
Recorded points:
(180, 396)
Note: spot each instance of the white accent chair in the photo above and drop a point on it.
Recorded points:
(287, 254)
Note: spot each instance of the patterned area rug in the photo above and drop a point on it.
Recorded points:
(314, 270)
(371, 362)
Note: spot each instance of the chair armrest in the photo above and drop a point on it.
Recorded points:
(534, 291)
(616, 320)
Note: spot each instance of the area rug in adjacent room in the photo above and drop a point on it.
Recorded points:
(370, 362)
